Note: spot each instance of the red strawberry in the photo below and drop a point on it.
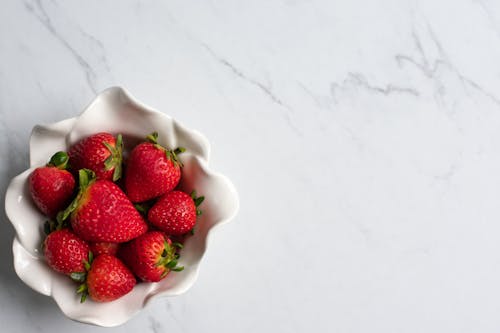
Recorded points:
(107, 279)
(175, 212)
(151, 256)
(51, 186)
(99, 248)
(65, 252)
(100, 153)
(152, 170)
(102, 212)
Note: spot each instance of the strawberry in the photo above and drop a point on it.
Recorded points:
(100, 153)
(99, 248)
(51, 186)
(152, 170)
(175, 212)
(101, 212)
(106, 280)
(151, 256)
(65, 252)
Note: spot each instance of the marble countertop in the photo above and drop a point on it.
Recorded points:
(363, 138)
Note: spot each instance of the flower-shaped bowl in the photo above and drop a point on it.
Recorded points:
(116, 111)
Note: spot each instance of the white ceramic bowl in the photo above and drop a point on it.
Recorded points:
(115, 111)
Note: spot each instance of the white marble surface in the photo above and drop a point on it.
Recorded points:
(363, 137)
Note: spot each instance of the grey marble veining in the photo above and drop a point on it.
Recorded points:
(363, 137)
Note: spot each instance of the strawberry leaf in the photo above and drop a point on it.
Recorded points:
(117, 174)
(179, 150)
(114, 161)
(82, 289)
(198, 201)
(177, 269)
(169, 258)
(86, 178)
(91, 257)
(178, 245)
(167, 252)
(172, 155)
(171, 264)
(78, 276)
(153, 137)
(49, 226)
(88, 263)
(143, 208)
(169, 153)
(59, 160)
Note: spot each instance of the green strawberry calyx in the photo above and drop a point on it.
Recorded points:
(86, 178)
(170, 153)
(143, 207)
(81, 277)
(50, 226)
(115, 159)
(59, 160)
(197, 201)
(169, 258)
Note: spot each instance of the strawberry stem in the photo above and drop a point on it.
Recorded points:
(59, 160)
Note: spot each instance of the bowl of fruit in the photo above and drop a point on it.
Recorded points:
(115, 210)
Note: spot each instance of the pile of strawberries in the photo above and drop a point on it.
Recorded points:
(108, 232)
